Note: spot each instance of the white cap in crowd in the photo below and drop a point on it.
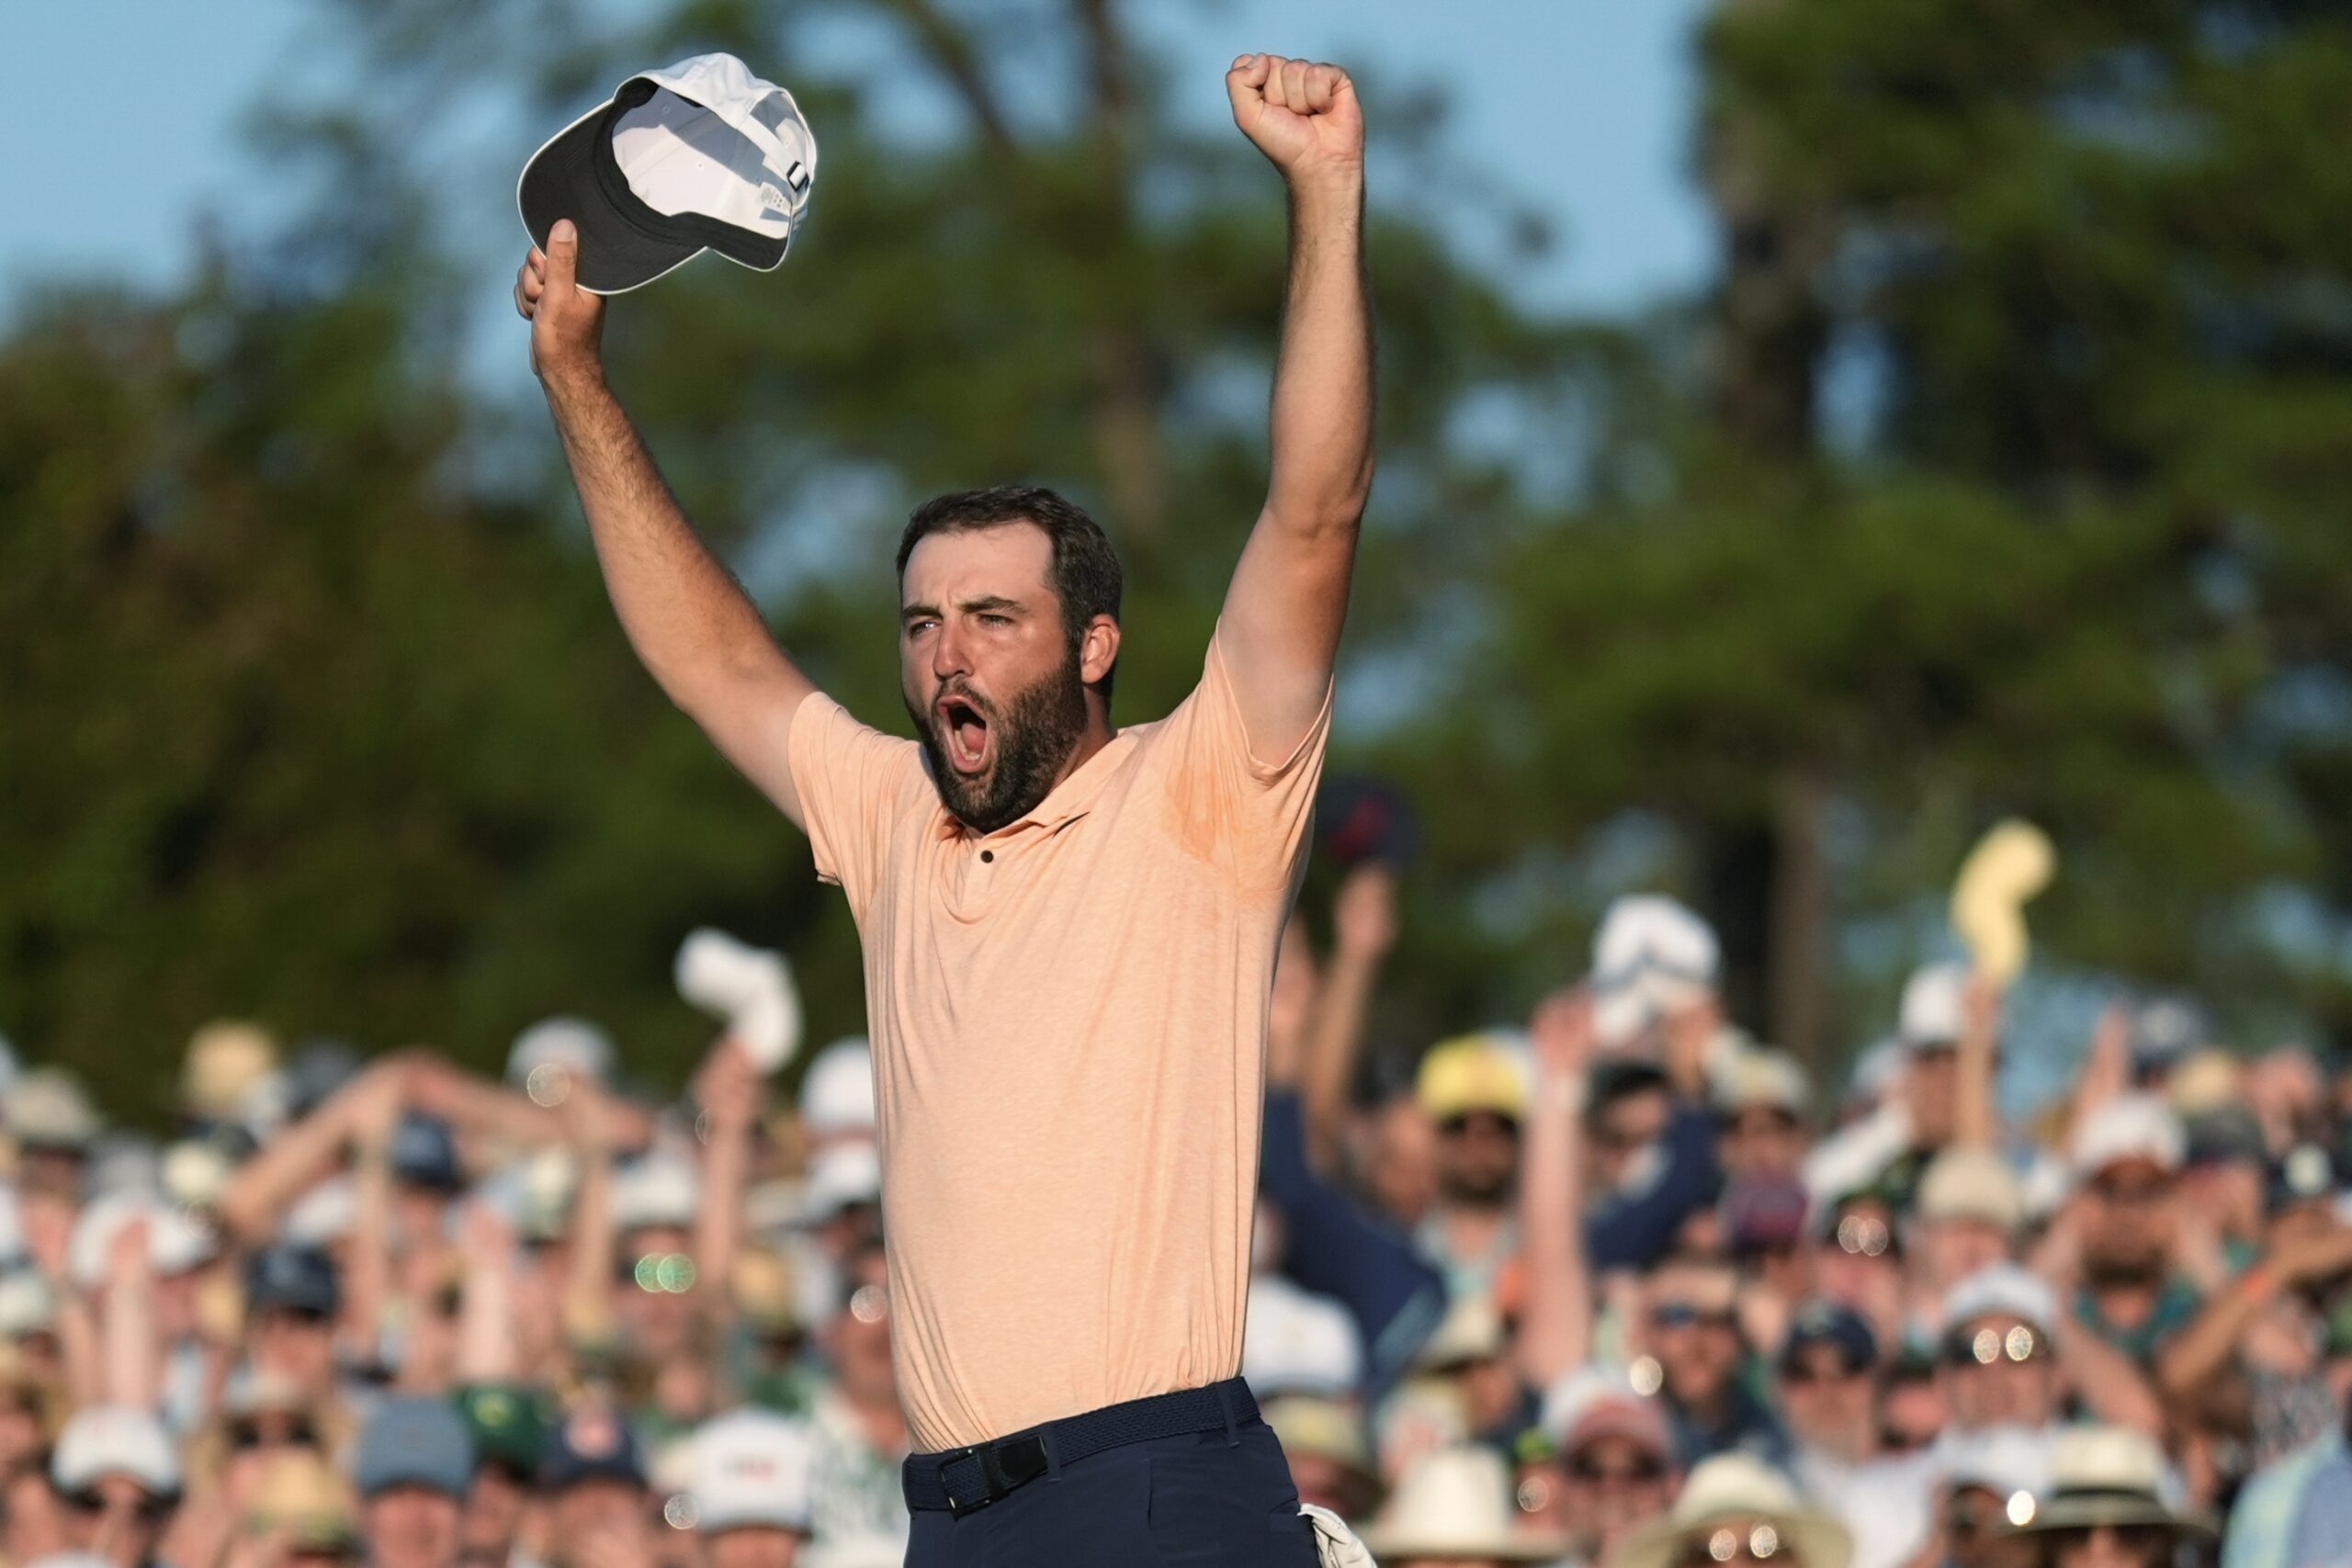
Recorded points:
(1650, 956)
(2011, 1461)
(324, 1215)
(841, 1175)
(115, 1439)
(750, 1470)
(2129, 1127)
(1297, 1342)
(176, 1243)
(2002, 1289)
(1932, 1013)
(656, 1190)
(837, 1095)
(567, 1045)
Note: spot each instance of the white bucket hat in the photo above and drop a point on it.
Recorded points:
(1735, 1488)
(2109, 1475)
(1456, 1503)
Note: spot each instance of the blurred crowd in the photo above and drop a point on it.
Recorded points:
(1624, 1286)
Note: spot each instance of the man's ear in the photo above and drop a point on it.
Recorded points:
(1098, 648)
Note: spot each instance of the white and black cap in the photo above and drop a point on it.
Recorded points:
(702, 155)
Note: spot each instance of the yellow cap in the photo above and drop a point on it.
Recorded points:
(1472, 1072)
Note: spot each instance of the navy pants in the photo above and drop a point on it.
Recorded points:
(1201, 1500)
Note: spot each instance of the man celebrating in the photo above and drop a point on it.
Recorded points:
(1069, 929)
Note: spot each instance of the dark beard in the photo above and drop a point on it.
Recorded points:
(1033, 738)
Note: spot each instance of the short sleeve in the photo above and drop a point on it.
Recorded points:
(852, 781)
(1258, 807)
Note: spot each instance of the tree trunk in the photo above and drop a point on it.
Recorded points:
(1770, 327)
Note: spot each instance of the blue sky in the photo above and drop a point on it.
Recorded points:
(1580, 108)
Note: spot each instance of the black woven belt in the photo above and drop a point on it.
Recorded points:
(964, 1479)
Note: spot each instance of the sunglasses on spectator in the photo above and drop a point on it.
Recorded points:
(1859, 1237)
(1455, 1126)
(1806, 1374)
(245, 1440)
(1760, 1545)
(1898, 1442)
(1685, 1314)
(1592, 1473)
(2131, 1194)
(1988, 1345)
(300, 1316)
(150, 1510)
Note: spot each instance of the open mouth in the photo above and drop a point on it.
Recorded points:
(965, 730)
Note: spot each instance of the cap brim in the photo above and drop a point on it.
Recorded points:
(561, 181)
(1409, 1545)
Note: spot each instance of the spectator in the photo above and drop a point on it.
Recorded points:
(599, 1499)
(412, 1471)
(1474, 1091)
(859, 1436)
(2126, 1158)
(1611, 1466)
(1453, 1510)
(119, 1477)
(1827, 1382)
(1331, 1459)
(751, 1490)
(1691, 1337)
(1736, 1509)
(1969, 1209)
(2107, 1507)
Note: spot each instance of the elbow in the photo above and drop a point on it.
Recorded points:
(1329, 510)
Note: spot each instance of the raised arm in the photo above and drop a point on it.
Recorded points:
(1364, 927)
(1555, 1332)
(692, 625)
(1289, 598)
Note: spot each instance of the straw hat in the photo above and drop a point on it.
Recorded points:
(2109, 1475)
(1456, 1502)
(225, 1060)
(1735, 1487)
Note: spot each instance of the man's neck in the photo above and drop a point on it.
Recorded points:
(1097, 734)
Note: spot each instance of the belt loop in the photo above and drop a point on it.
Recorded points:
(1225, 1402)
(1053, 1454)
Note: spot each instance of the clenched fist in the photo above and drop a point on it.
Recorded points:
(1301, 114)
(567, 322)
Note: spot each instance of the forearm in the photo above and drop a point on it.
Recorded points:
(1973, 1123)
(588, 1290)
(1322, 416)
(1333, 1040)
(1556, 1335)
(718, 1225)
(259, 1192)
(370, 1273)
(2205, 1347)
(486, 1350)
(2110, 1386)
(129, 1346)
(684, 613)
